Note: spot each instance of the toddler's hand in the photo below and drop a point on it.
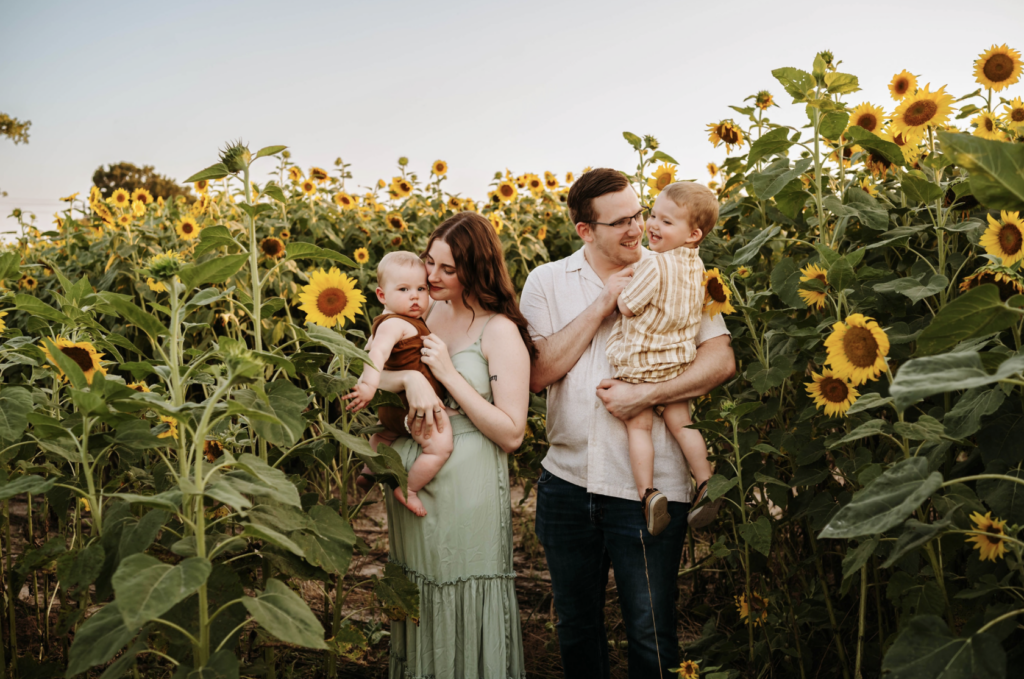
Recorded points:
(360, 396)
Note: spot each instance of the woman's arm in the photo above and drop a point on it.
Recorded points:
(419, 394)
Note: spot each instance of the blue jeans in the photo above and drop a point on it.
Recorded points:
(582, 535)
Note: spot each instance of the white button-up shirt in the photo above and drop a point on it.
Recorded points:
(588, 444)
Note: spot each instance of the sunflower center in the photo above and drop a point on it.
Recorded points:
(989, 125)
(79, 356)
(860, 347)
(821, 277)
(833, 390)
(728, 134)
(920, 112)
(716, 290)
(1010, 239)
(902, 85)
(994, 536)
(868, 121)
(1017, 115)
(998, 68)
(186, 227)
(506, 190)
(664, 180)
(272, 247)
(331, 302)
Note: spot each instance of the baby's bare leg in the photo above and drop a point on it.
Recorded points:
(436, 451)
(363, 480)
(641, 450)
(677, 417)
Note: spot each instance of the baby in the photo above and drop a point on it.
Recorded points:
(654, 340)
(397, 338)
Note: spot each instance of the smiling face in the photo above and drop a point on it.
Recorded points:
(405, 290)
(613, 247)
(441, 273)
(669, 227)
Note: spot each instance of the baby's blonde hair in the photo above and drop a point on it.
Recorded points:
(700, 202)
(393, 259)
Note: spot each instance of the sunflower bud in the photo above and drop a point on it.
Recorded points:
(403, 161)
(236, 156)
(651, 142)
(165, 266)
(242, 364)
(286, 154)
(16, 213)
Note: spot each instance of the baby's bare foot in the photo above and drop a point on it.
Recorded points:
(413, 503)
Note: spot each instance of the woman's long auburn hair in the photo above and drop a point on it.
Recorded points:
(480, 267)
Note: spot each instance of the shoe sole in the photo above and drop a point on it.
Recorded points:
(658, 517)
(703, 516)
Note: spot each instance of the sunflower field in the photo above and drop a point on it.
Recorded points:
(177, 471)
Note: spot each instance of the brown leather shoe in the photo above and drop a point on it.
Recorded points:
(656, 515)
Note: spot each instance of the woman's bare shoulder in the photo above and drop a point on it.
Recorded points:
(501, 331)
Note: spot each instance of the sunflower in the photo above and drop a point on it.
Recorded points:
(454, 204)
(716, 294)
(713, 170)
(395, 221)
(1008, 282)
(1003, 238)
(902, 84)
(26, 282)
(569, 179)
(998, 68)
(987, 127)
(542, 232)
(344, 201)
(507, 191)
(867, 187)
(156, 286)
(725, 132)
(833, 394)
(400, 187)
(921, 109)
(330, 298)
(138, 208)
(202, 186)
(909, 144)
(857, 349)
(362, 255)
(991, 545)
(187, 228)
(3, 323)
(142, 195)
(82, 353)
(124, 221)
(534, 184)
(139, 387)
(202, 205)
(743, 272)
(165, 265)
(763, 100)
(308, 187)
(294, 174)
(496, 222)
(689, 669)
(272, 247)
(813, 297)
(319, 175)
(867, 116)
(550, 181)
(877, 164)
(1013, 116)
(440, 168)
(120, 198)
(760, 608)
(172, 428)
(662, 177)
(68, 199)
(285, 234)
(101, 210)
(212, 449)
(396, 240)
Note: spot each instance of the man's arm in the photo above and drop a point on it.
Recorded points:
(713, 365)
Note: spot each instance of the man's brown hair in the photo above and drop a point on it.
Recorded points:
(589, 186)
(700, 202)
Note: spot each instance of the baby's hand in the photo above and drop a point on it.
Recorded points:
(360, 396)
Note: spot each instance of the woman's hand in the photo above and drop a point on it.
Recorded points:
(436, 357)
(424, 404)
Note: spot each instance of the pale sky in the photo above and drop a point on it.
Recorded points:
(530, 86)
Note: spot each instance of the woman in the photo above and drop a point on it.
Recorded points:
(460, 553)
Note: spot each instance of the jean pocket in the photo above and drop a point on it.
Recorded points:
(545, 476)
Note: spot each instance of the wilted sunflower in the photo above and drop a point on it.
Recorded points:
(759, 606)
(1004, 238)
(187, 228)
(868, 116)
(308, 187)
(1013, 116)
(139, 387)
(440, 168)
(987, 127)
(496, 222)
(716, 294)
(763, 100)
(400, 187)
(832, 393)
(998, 68)
(813, 297)
(662, 177)
(725, 132)
(923, 108)
(272, 247)
(902, 84)
(172, 428)
(344, 201)
(877, 164)
(362, 255)
(395, 221)
(120, 198)
(330, 298)
(202, 186)
(294, 174)
(142, 195)
(507, 191)
(396, 240)
(156, 286)
(3, 323)
(688, 669)
(84, 354)
(713, 169)
(1009, 282)
(857, 349)
(319, 175)
(991, 545)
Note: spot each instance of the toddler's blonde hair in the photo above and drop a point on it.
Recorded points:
(393, 259)
(700, 201)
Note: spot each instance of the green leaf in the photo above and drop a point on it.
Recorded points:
(285, 402)
(841, 274)
(270, 151)
(664, 157)
(217, 171)
(869, 428)
(965, 417)
(36, 307)
(330, 547)
(976, 313)
(785, 282)
(914, 289)
(146, 588)
(399, 596)
(996, 168)
(758, 534)
(300, 250)
(98, 639)
(633, 140)
(927, 428)
(80, 568)
(926, 648)
(270, 477)
(284, 614)
(920, 189)
(922, 377)
(26, 484)
(10, 265)
(797, 83)
(751, 249)
(144, 321)
(771, 143)
(780, 180)
(872, 142)
(856, 558)
(1005, 497)
(885, 502)
(216, 270)
(833, 124)
(275, 538)
(718, 486)
(15, 405)
(337, 343)
(914, 535)
(275, 192)
(841, 83)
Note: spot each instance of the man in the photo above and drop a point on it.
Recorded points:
(588, 515)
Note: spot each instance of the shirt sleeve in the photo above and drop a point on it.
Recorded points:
(643, 286)
(711, 328)
(534, 305)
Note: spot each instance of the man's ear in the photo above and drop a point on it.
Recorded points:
(585, 231)
(380, 295)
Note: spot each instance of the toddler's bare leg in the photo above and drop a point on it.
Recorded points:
(677, 417)
(366, 474)
(641, 450)
(436, 451)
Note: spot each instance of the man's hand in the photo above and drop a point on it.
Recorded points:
(613, 286)
(623, 400)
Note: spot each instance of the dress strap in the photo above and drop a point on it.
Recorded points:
(484, 328)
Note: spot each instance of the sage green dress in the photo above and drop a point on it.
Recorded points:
(460, 557)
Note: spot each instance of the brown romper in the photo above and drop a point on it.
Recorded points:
(405, 355)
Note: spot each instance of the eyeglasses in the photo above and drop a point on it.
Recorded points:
(640, 218)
